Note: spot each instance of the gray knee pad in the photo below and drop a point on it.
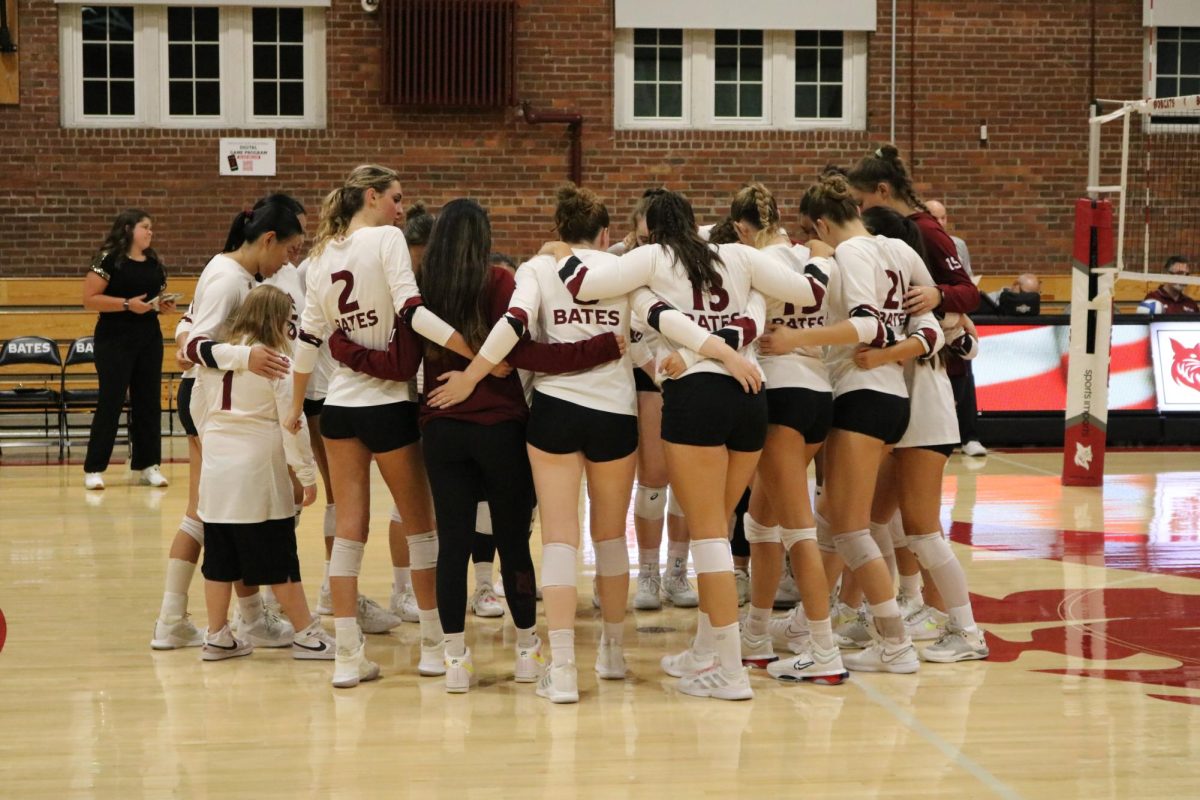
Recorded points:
(711, 555)
(857, 548)
(558, 564)
(345, 560)
(612, 558)
(423, 550)
(757, 533)
(930, 549)
(649, 502)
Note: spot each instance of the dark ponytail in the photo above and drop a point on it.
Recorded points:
(885, 166)
(276, 214)
(884, 221)
(671, 223)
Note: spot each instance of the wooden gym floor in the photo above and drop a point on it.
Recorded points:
(1090, 598)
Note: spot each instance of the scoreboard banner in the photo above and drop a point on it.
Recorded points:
(1176, 347)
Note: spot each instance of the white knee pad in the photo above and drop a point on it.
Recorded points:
(395, 516)
(193, 528)
(825, 539)
(757, 533)
(483, 518)
(793, 536)
(345, 560)
(558, 564)
(881, 533)
(857, 548)
(711, 555)
(612, 558)
(649, 502)
(896, 526)
(673, 507)
(423, 550)
(930, 549)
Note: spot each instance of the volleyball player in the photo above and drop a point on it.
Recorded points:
(258, 243)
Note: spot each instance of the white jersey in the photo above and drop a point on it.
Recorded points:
(800, 369)
(318, 382)
(287, 280)
(933, 419)
(246, 451)
(222, 287)
(727, 311)
(867, 288)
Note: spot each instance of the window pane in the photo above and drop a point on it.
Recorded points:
(726, 38)
(291, 25)
(806, 39)
(670, 100)
(95, 61)
(1189, 58)
(806, 66)
(670, 64)
(120, 24)
(752, 64)
(670, 36)
(266, 101)
(1166, 87)
(831, 38)
(1192, 34)
(179, 24)
(1189, 85)
(831, 101)
(208, 61)
(264, 25)
(179, 57)
(291, 62)
(1168, 33)
(725, 100)
(207, 24)
(95, 24)
(95, 97)
(644, 100)
(120, 61)
(645, 36)
(751, 100)
(831, 65)
(264, 62)
(1168, 58)
(208, 98)
(180, 95)
(752, 38)
(291, 99)
(645, 64)
(806, 101)
(120, 95)
(726, 64)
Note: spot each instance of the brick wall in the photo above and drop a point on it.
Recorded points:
(1023, 65)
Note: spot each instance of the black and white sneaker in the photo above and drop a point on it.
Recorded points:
(314, 644)
(223, 645)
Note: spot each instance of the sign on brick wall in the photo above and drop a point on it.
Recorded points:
(248, 157)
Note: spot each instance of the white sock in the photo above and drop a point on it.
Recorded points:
(911, 586)
(702, 645)
(346, 631)
(325, 580)
(562, 647)
(963, 617)
(483, 573)
(527, 637)
(728, 645)
(401, 578)
(677, 556)
(175, 596)
(251, 607)
(174, 606)
(648, 559)
(456, 645)
(887, 620)
(431, 626)
(756, 620)
(614, 632)
(821, 631)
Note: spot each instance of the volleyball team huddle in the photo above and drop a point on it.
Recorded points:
(718, 360)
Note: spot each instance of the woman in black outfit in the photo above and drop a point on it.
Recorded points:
(123, 283)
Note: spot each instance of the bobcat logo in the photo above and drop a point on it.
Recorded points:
(1186, 367)
(1083, 456)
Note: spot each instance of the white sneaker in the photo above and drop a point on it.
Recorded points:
(716, 683)
(791, 631)
(433, 659)
(742, 580)
(811, 666)
(269, 600)
(324, 600)
(314, 644)
(151, 476)
(757, 650)
(974, 448)
(686, 663)
(404, 605)
(610, 661)
(498, 588)
(649, 584)
(460, 672)
(957, 645)
(173, 634)
(851, 630)
(269, 630)
(351, 666)
(530, 663)
(559, 684)
(925, 624)
(374, 618)
(788, 593)
(884, 656)
(93, 480)
(677, 590)
(484, 602)
(224, 645)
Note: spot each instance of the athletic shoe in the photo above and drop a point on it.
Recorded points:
(974, 448)
(324, 600)
(791, 631)
(559, 684)
(499, 588)
(742, 580)
(530, 663)
(908, 605)
(93, 480)
(925, 624)
(610, 661)
(884, 656)
(151, 476)
(269, 601)
(460, 673)
(433, 659)
(811, 666)
(677, 590)
(173, 634)
(313, 643)
(686, 663)
(716, 683)
(269, 630)
(957, 645)
(224, 645)
(352, 667)
(788, 593)
(757, 650)
(851, 630)
(485, 603)
(404, 606)
(648, 586)
(374, 618)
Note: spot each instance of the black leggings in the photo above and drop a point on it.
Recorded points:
(465, 462)
(483, 549)
(964, 403)
(128, 362)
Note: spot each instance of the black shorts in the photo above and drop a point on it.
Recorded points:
(809, 413)
(945, 449)
(183, 404)
(879, 415)
(381, 428)
(560, 426)
(312, 408)
(256, 553)
(643, 382)
(708, 409)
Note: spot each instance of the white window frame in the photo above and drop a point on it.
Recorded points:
(699, 76)
(151, 85)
